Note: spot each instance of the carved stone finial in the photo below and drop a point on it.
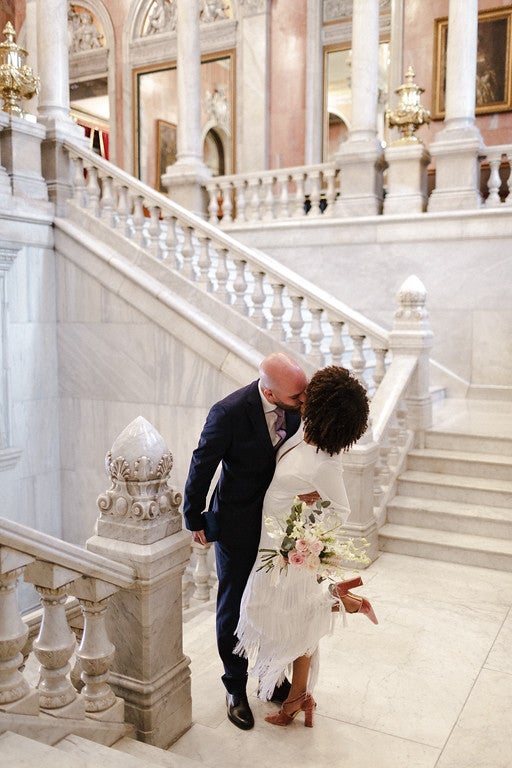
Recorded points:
(140, 506)
(412, 312)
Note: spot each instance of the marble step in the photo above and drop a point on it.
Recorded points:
(154, 755)
(474, 519)
(472, 443)
(488, 465)
(446, 545)
(122, 755)
(468, 490)
(49, 730)
(18, 751)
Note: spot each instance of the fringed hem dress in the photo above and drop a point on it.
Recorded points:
(284, 614)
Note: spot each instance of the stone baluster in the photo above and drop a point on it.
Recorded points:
(123, 210)
(494, 183)
(358, 360)
(316, 334)
(15, 692)
(93, 191)
(201, 574)
(267, 185)
(107, 201)
(380, 365)
(187, 254)
(337, 346)
(222, 275)
(78, 183)
(156, 247)
(258, 298)
(240, 286)
(283, 197)
(55, 642)
(253, 190)
(171, 240)
(227, 202)
(314, 193)
(277, 311)
(298, 179)
(297, 323)
(204, 264)
(213, 201)
(187, 586)
(95, 652)
(240, 201)
(138, 221)
(140, 525)
(329, 174)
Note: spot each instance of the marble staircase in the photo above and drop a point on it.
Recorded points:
(453, 500)
(18, 751)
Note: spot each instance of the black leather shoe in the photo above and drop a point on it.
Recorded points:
(281, 692)
(239, 711)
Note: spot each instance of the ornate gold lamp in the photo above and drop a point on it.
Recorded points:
(17, 80)
(409, 114)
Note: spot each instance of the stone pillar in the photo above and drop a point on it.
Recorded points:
(184, 180)
(358, 475)
(360, 158)
(53, 105)
(412, 335)
(252, 96)
(20, 145)
(458, 147)
(314, 84)
(140, 525)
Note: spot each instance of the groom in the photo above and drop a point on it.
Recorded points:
(241, 434)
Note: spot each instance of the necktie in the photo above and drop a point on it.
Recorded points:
(280, 424)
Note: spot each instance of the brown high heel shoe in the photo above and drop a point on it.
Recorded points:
(306, 704)
(341, 592)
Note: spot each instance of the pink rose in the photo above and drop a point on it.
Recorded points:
(315, 547)
(296, 558)
(301, 545)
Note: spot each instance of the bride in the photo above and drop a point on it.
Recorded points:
(285, 610)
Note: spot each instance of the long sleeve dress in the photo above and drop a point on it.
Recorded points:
(282, 619)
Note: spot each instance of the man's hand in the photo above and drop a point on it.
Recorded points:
(309, 498)
(198, 537)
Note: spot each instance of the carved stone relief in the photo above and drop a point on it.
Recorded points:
(83, 31)
(342, 9)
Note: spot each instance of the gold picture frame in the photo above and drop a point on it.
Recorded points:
(493, 79)
(165, 150)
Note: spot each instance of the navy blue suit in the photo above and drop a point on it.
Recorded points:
(236, 435)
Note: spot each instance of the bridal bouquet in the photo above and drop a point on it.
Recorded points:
(310, 540)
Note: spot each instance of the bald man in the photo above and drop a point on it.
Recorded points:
(240, 433)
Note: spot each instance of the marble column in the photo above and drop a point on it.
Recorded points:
(184, 180)
(53, 105)
(314, 84)
(360, 158)
(252, 97)
(458, 147)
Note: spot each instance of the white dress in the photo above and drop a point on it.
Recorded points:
(281, 621)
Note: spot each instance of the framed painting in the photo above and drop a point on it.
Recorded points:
(493, 78)
(165, 150)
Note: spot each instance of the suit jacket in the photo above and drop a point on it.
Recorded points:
(236, 436)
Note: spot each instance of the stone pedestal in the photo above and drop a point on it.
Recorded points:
(358, 475)
(20, 142)
(361, 165)
(457, 155)
(150, 671)
(406, 188)
(185, 186)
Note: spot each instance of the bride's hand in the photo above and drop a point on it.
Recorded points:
(309, 498)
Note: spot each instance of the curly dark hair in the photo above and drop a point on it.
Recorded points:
(335, 413)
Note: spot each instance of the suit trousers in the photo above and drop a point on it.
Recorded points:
(234, 565)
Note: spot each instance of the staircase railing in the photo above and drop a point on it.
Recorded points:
(130, 598)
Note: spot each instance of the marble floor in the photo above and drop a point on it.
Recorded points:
(429, 687)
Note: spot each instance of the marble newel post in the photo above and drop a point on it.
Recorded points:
(53, 106)
(140, 525)
(360, 158)
(459, 145)
(184, 180)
